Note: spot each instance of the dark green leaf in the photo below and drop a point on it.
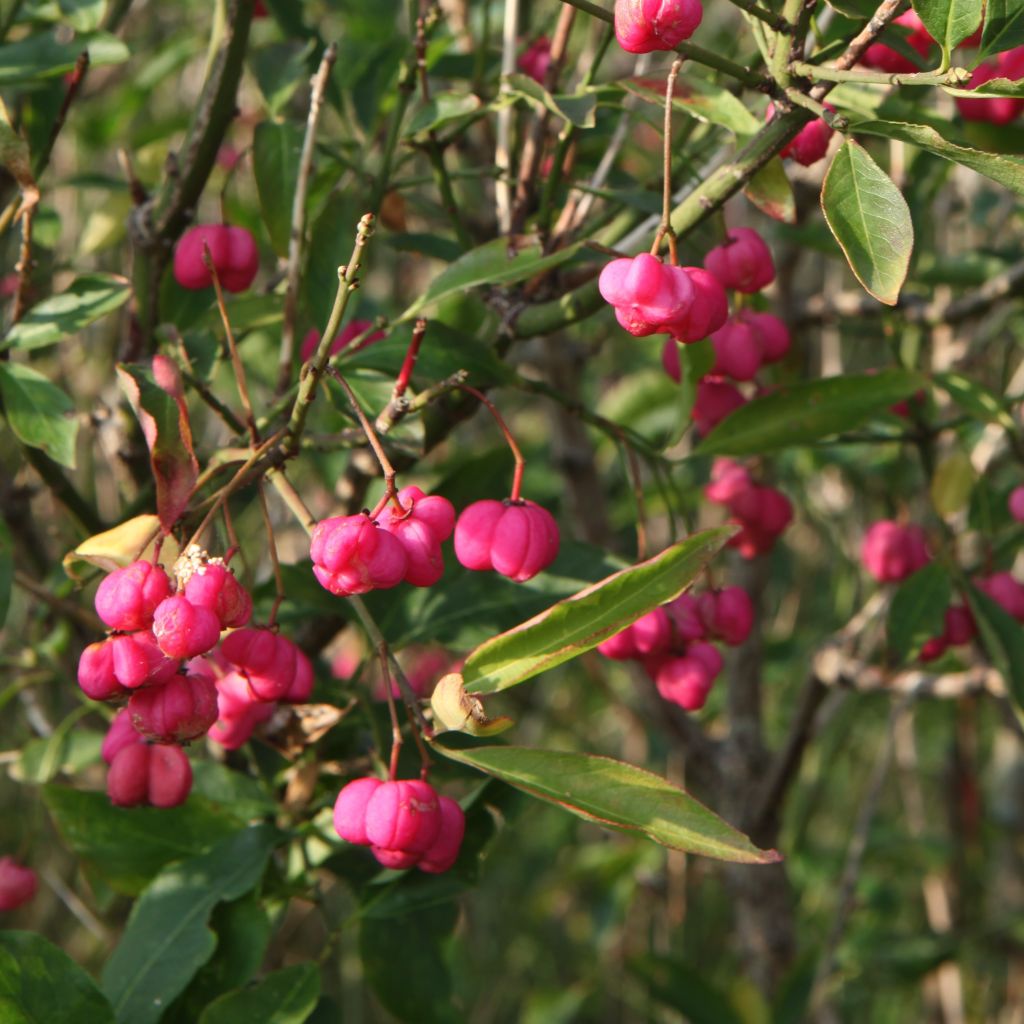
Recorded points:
(949, 22)
(686, 990)
(582, 621)
(37, 412)
(287, 996)
(167, 938)
(870, 220)
(280, 69)
(770, 191)
(441, 110)
(611, 793)
(129, 846)
(918, 610)
(1004, 27)
(41, 984)
(85, 301)
(699, 98)
(1007, 170)
(493, 263)
(83, 15)
(44, 56)
(803, 413)
(276, 149)
(577, 110)
(1002, 637)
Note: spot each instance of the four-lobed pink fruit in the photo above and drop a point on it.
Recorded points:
(158, 775)
(514, 538)
(18, 884)
(353, 555)
(233, 253)
(426, 522)
(743, 263)
(643, 26)
(183, 629)
(177, 712)
(891, 551)
(214, 586)
(127, 598)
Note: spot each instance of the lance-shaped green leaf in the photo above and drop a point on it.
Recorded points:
(918, 609)
(870, 220)
(287, 996)
(276, 148)
(807, 412)
(993, 87)
(1003, 640)
(576, 109)
(45, 55)
(497, 262)
(612, 793)
(700, 99)
(443, 110)
(159, 404)
(770, 191)
(582, 621)
(949, 22)
(1004, 26)
(167, 938)
(39, 982)
(86, 300)
(1007, 170)
(38, 412)
(976, 399)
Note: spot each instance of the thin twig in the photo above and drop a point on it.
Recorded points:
(503, 146)
(517, 473)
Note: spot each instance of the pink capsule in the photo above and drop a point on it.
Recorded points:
(350, 810)
(891, 552)
(177, 712)
(772, 332)
(684, 681)
(352, 555)
(214, 586)
(127, 598)
(716, 399)
(121, 734)
(515, 539)
(1015, 503)
(642, 26)
(18, 884)
(427, 521)
(183, 629)
(744, 263)
(737, 351)
(648, 296)
(403, 816)
(444, 850)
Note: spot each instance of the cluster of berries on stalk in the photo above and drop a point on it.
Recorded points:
(161, 660)
(891, 552)
(403, 822)
(673, 642)
(761, 511)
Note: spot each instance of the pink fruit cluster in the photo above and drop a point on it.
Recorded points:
(882, 57)
(995, 109)
(893, 551)
(405, 823)
(673, 642)
(159, 660)
(536, 59)
(18, 884)
(761, 511)
(643, 26)
(233, 253)
(652, 297)
(811, 143)
(959, 628)
(357, 554)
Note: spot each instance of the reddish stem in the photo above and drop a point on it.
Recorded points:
(517, 475)
(404, 375)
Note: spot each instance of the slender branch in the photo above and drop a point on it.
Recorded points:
(503, 145)
(755, 10)
(821, 73)
(665, 227)
(295, 238)
(24, 265)
(517, 475)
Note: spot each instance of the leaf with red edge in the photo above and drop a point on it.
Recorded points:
(159, 403)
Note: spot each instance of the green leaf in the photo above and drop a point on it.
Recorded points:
(167, 938)
(700, 99)
(130, 845)
(45, 56)
(610, 792)
(770, 191)
(287, 996)
(37, 412)
(1004, 27)
(577, 109)
(85, 301)
(993, 87)
(582, 621)
(1002, 638)
(918, 609)
(870, 220)
(280, 69)
(975, 399)
(6, 570)
(1007, 170)
(83, 15)
(952, 482)
(404, 963)
(41, 983)
(807, 412)
(441, 110)
(685, 989)
(493, 263)
(949, 22)
(276, 149)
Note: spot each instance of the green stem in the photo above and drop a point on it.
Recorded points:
(817, 73)
(782, 43)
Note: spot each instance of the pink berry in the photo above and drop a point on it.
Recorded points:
(403, 816)
(1016, 503)
(185, 630)
(141, 774)
(716, 399)
(648, 296)
(670, 360)
(933, 648)
(233, 253)
(234, 731)
(127, 598)
(18, 884)
(121, 734)
(177, 712)
(396, 860)
(1005, 591)
(773, 334)
(652, 633)
(352, 555)
(811, 143)
(112, 668)
(427, 521)
(891, 552)
(684, 681)
(728, 480)
(350, 810)
(444, 850)
(128, 778)
(515, 539)
(885, 58)
(642, 26)
(619, 646)
(214, 586)
(536, 59)
(960, 627)
(728, 614)
(684, 616)
(737, 351)
(708, 655)
(744, 263)
(302, 683)
(708, 311)
(267, 661)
